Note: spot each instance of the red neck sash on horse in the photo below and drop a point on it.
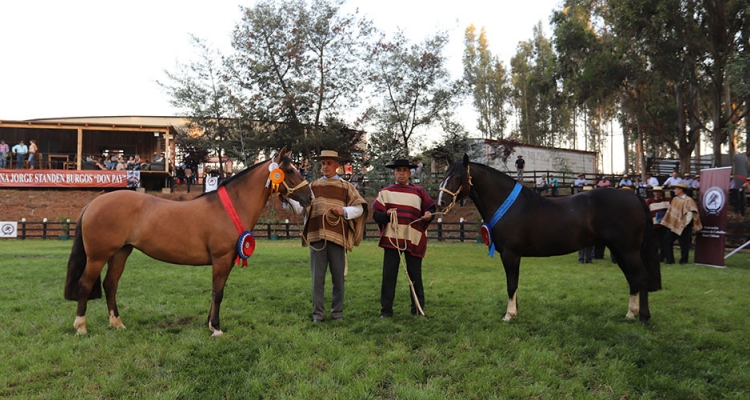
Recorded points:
(246, 242)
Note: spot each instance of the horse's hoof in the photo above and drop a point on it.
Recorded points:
(80, 325)
(630, 315)
(217, 332)
(507, 317)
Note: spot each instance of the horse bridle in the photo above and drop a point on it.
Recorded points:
(300, 185)
(455, 195)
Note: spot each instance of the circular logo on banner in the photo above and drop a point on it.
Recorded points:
(8, 230)
(246, 245)
(713, 200)
(486, 234)
(277, 176)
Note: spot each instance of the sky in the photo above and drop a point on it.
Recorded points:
(80, 58)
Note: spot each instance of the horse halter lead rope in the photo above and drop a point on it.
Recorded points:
(402, 261)
(455, 195)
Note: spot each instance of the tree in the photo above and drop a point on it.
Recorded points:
(416, 87)
(199, 90)
(297, 64)
(487, 79)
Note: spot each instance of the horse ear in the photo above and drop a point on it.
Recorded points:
(280, 154)
(466, 160)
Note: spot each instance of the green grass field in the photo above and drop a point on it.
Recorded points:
(570, 339)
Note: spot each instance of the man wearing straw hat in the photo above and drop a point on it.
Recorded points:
(681, 219)
(403, 211)
(335, 223)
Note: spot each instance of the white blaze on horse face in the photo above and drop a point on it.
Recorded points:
(633, 307)
(512, 311)
(440, 195)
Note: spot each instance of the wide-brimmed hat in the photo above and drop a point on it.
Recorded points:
(582, 174)
(657, 189)
(681, 186)
(520, 156)
(401, 163)
(330, 154)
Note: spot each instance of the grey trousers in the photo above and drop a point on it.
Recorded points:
(333, 255)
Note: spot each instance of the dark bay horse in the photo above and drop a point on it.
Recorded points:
(527, 224)
(194, 232)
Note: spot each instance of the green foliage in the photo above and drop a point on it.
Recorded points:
(416, 89)
(489, 83)
(570, 339)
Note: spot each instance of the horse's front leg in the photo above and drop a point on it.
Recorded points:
(511, 263)
(221, 269)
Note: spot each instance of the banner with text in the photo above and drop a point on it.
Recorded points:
(713, 201)
(63, 179)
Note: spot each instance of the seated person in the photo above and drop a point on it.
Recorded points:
(604, 182)
(541, 185)
(625, 182)
(580, 182)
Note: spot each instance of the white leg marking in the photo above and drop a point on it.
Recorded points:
(216, 332)
(512, 311)
(633, 306)
(80, 325)
(115, 322)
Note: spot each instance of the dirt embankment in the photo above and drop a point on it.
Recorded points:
(37, 204)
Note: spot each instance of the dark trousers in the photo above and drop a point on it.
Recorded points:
(599, 251)
(335, 256)
(683, 240)
(664, 247)
(391, 262)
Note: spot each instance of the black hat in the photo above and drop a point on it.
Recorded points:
(401, 163)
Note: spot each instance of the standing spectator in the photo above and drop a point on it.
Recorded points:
(32, 153)
(403, 211)
(673, 179)
(553, 183)
(520, 165)
(581, 182)
(335, 223)
(658, 205)
(651, 181)
(687, 180)
(120, 166)
(640, 186)
(20, 151)
(681, 219)
(696, 185)
(4, 153)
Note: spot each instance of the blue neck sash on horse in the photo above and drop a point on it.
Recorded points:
(499, 214)
(246, 242)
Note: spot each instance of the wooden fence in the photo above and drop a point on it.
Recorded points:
(441, 231)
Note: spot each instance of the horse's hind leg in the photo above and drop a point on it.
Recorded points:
(85, 285)
(114, 272)
(632, 266)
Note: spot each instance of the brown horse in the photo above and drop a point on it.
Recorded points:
(521, 223)
(195, 232)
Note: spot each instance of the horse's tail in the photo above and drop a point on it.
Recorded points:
(650, 251)
(76, 265)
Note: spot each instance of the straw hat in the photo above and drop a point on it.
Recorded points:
(681, 186)
(657, 189)
(329, 154)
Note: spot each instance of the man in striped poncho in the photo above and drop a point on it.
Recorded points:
(412, 207)
(335, 223)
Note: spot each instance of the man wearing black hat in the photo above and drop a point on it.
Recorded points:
(403, 211)
(520, 164)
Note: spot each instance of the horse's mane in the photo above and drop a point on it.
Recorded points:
(531, 197)
(239, 175)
